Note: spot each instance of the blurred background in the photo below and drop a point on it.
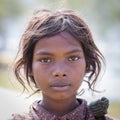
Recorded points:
(103, 18)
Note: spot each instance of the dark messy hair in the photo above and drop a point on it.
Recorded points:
(49, 23)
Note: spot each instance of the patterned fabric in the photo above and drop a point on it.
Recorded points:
(82, 112)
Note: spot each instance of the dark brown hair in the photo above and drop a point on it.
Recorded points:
(48, 23)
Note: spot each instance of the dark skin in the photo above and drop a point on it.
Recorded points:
(58, 68)
(59, 108)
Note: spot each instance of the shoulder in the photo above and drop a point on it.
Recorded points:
(109, 118)
(99, 109)
(105, 118)
(20, 117)
(25, 116)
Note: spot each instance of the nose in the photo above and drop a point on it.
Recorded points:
(59, 70)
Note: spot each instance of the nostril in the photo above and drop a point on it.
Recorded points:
(64, 75)
(60, 75)
(57, 75)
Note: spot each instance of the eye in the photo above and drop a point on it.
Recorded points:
(73, 58)
(45, 60)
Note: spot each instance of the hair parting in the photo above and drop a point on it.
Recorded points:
(45, 23)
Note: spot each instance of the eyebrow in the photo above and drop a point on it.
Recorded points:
(48, 53)
(43, 53)
(74, 51)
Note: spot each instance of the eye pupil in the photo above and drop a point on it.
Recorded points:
(73, 58)
(45, 60)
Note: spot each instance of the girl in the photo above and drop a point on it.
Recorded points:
(58, 53)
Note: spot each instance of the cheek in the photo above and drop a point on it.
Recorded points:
(79, 72)
(40, 80)
(37, 73)
(81, 68)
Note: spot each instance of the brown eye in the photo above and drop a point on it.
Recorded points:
(45, 60)
(73, 58)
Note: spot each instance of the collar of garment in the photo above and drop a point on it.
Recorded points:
(82, 112)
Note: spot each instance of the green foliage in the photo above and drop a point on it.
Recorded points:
(8, 81)
(114, 109)
(4, 78)
(10, 8)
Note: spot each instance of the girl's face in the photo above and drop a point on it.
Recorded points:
(58, 66)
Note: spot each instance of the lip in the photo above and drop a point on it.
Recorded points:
(60, 86)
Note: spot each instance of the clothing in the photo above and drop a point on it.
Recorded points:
(37, 112)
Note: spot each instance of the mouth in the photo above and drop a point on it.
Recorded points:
(60, 87)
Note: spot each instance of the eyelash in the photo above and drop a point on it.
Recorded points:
(73, 58)
(48, 60)
(45, 60)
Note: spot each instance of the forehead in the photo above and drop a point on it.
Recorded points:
(61, 41)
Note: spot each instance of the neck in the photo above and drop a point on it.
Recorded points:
(59, 107)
